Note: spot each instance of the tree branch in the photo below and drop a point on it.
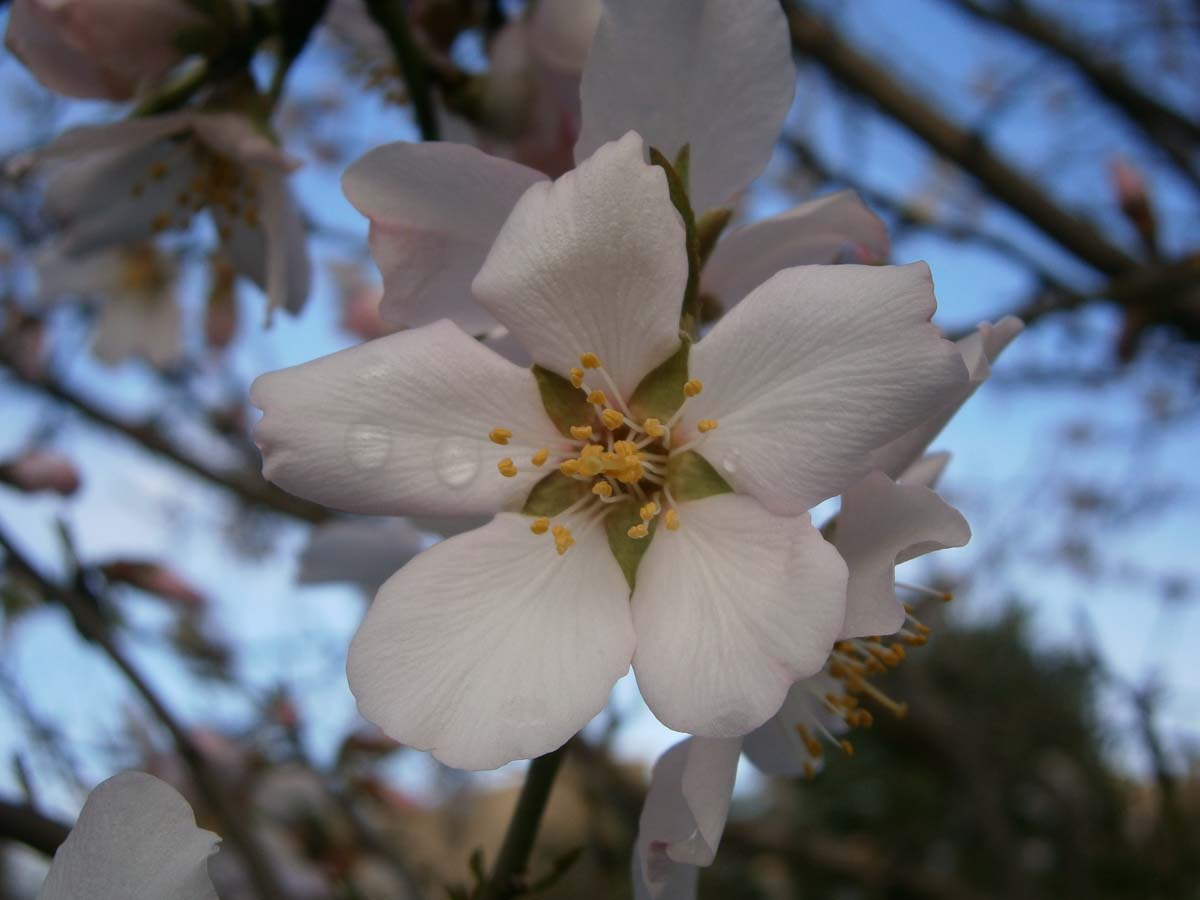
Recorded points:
(23, 823)
(817, 39)
(392, 19)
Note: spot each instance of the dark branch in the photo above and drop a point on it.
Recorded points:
(19, 822)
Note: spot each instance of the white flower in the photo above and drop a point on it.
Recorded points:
(491, 646)
(127, 181)
(136, 839)
(135, 286)
(718, 77)
(881, 524)
(97, 48)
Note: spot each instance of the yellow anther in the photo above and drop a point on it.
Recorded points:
(649, 511)
(591, 466)
(602, 489)
(671, 520)
(500, 435)
(705, 425)
(563, 541)
(637, 532)
(569, 467)
(589, 360)
(540, 525)
(625, 449)
(611, 418)
(581, 432)
(576, 378)
(654, 428)
(847, 747)
(507, 467)
(632, 473)
(591, 451)
(693, 387)
(597, 397)
(539, 458)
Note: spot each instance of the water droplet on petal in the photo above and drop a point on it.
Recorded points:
(367, 446)
(730, 461)
(456, 461)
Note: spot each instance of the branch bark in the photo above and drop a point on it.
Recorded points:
(23, 823)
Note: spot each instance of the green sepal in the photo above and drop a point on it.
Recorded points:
(691, 477)
(709, 228)
(565, 405)
(553, 494)
(683, 167)
(660, 393)
(677, 188)
(626, 550)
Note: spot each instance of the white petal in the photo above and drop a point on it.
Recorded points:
(710, 73)
(777, 747)
(136, 839)
(592, 263)
(814, 370)
(561, 32)
(882, 523)
(730, 611)
(400, 425)
(927, 470)
(814, 233)
(979, 350)
(491, 647)
(435, 210)
(133, 324)
(363, 552)
(684, 814)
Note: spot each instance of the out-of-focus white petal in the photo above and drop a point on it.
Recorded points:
(979, 350)
(136, 839)
(709, 73)
(491, 647)
(561, 32)
(435, 210)
(927, 470)
(813, 233)
(132, 325)
(882, 523)
(730, 610)
(363, 552)
(778, 747)
(814, 370)
(684, 815)
(400, 425)
(592, 263)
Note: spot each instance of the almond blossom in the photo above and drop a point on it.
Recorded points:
(100, 49)
(881, 524)
(131, 180)
(136, 839)
(716, 76)
(655, 481)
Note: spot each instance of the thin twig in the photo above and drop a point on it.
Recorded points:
(392, 18)
(21, 822)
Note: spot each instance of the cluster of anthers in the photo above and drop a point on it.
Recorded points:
(852, 665)
(621, 459)
(217, 183)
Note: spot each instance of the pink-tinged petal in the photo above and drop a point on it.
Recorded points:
(400, 425)
(684, 816)
(435, 210)
(880, 524)
(979, 350)
(242, 140)
(561, 32)
(814, 370)
(814, 233)
(730, 610)
(592, 263)
(777, 748)
(135, 839)
(491, 647)
(709, 73)
(362, 552)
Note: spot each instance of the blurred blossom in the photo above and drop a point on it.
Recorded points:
(220, 308)
(135, 286)
(131, 180)
(41, 470)
(154, 579)
(360, 302)
(1129, 186)
(102, 49)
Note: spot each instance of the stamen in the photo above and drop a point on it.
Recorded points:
(637, 532)
(540, 525)
(612, 418)
(654, 428)
(570, 467)
(577, 378)
(507, 467)
(540, 457)
(693, 387)
(589, 360)
(500, 436)
(706, 425)
(649, 511)
(602, 489)
(671, 520)
(581, 432)
(563, 541)
(597, 398)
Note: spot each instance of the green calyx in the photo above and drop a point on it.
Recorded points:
(565, 405)
(691, 477)
(627, 551)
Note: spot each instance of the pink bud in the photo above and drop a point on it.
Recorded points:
(41, 470)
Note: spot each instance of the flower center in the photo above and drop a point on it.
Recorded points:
(619, 458)
(212, 180)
